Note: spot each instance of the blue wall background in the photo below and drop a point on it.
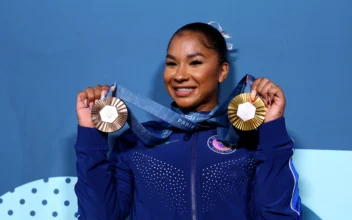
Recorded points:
(49, 50)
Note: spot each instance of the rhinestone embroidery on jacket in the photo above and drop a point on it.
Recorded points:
(223, 179)
(163, 179)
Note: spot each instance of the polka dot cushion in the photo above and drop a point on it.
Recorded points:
(52, 198)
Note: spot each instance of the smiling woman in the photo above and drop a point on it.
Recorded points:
(195, 65)
(193, 174)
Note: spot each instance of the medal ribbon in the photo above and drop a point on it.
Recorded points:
(175, 118)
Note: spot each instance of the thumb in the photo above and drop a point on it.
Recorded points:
(81, 101)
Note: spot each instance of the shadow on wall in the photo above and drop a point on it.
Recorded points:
(68, 155)
(159, 92)
(230, 83)
(309, 214)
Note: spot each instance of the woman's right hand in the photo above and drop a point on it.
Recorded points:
(85, 101)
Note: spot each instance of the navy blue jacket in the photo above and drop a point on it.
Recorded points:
(191, 176)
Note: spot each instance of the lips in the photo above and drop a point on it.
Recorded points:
(184, 91)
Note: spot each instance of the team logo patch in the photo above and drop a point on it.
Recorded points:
(219, 147)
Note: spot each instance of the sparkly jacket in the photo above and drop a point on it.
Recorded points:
(191, 176)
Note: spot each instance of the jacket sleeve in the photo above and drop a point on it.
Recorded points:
(275, 193)
(104, 188)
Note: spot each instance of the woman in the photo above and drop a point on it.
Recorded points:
(193, 175)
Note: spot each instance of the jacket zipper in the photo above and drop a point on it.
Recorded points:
(193, 177)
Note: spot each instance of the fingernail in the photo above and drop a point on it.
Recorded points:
(85, 103)
(266, 104)
(253, 93)
(113, 87)
(103, 95)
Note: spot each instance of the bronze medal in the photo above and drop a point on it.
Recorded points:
(244, 114)
(109, 115)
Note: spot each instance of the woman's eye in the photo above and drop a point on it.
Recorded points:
(196, 62)
(170, 63)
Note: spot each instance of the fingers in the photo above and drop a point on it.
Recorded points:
(276, 91)
(88, 97)
(91, 96)
(82, 99)
(255, 88)
(105, 90)
(266, 89)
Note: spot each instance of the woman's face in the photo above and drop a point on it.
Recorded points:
(192, 72)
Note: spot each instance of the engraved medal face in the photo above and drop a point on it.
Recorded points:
(109, 115)
(246, 111)
(244, 114)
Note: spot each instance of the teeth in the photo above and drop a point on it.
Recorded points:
(184, 89)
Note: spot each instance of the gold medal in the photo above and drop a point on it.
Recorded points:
(109, 115)
(244, 114)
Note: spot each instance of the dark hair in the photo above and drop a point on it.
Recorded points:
(215, 40)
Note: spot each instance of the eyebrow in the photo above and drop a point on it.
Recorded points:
(188, 56)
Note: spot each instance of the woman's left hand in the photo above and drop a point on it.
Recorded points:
(273, 98)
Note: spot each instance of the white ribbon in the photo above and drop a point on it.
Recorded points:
(224, 34)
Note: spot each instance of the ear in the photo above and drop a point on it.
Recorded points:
(224, 72)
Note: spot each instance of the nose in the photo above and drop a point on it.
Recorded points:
(181, 74)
